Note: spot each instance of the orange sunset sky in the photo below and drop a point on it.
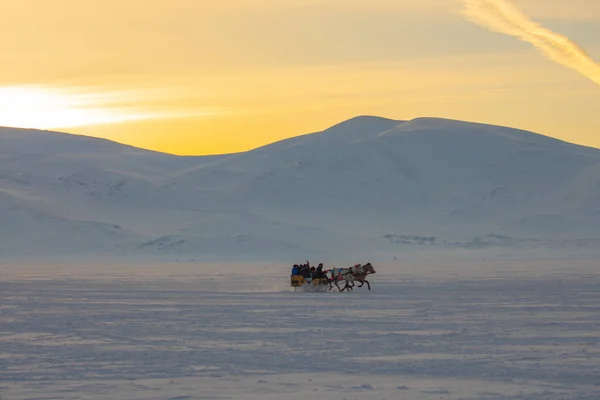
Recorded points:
(205, 77)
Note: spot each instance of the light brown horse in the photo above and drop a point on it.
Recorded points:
(339, 275)
(350, 275)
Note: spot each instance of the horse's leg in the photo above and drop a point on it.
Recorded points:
(368, 284)
(350, 286)
(336, 285)
(361, 283)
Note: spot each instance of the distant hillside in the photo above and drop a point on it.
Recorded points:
(366, 188)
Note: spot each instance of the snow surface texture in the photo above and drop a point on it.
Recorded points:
(495, 330)
(369, 187)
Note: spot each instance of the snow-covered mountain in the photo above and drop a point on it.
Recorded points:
(368, 187)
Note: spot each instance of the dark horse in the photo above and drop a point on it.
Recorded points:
(361, 275)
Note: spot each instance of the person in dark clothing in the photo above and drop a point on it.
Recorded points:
(304, 271)
(319, 272)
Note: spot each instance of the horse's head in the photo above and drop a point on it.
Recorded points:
(368, 269)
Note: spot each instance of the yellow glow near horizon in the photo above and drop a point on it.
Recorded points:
(521, 93)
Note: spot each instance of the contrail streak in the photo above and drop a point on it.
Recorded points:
(504, 17)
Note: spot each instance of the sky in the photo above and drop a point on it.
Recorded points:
(196, 77)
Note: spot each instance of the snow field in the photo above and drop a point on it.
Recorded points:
(433, 330)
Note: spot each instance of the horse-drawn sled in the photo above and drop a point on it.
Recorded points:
(313, 279)
(310, 285)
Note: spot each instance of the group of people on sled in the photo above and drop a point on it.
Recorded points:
(308, 272)
(304, 273)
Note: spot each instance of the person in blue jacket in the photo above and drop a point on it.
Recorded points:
(295, 270)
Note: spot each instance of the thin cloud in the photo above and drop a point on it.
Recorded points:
(504, 17)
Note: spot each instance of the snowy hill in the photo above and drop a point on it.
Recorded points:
(368, 187)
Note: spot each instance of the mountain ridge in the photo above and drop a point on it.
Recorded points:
(339, 126)
(365, 186)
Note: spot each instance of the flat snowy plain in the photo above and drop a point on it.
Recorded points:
(428, 330)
